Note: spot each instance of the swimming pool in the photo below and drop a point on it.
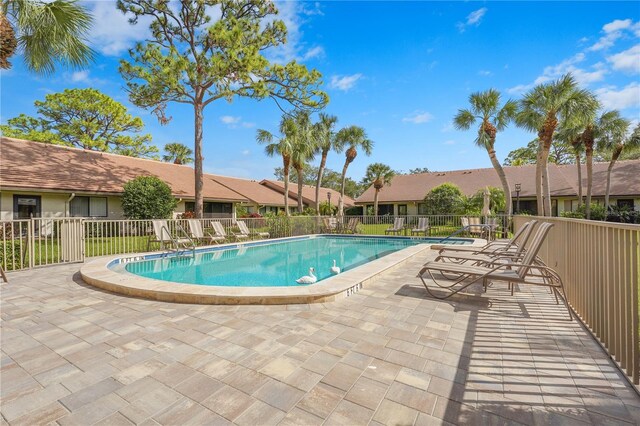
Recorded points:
(168, 278)
(271, 264)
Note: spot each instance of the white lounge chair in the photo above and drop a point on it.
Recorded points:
(422, 228)
(198, 234)
(219, 230)
(162, 235)
(244, 229)
(397, 228)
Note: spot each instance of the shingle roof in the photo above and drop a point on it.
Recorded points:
(308, 192)
(253, 191)
(36, 165)
(625, 181)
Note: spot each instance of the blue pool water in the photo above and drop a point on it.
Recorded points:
(277, 263)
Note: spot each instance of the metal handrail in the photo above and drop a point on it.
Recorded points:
(176, 244)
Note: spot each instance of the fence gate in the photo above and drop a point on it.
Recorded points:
(72, 240)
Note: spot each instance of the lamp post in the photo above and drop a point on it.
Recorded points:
(518, 188)
(329, 199)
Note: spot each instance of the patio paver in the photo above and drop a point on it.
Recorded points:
(72, 354)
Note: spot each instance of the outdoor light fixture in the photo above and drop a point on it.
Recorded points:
(518, 188)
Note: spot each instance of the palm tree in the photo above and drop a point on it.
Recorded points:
(612, 139)
(354, 137)
(46, 33)
(326, 139)
(541, 110)
(608, 125)
(571, 136)
(177, 153)
(378, 175)
(304, 148)
(486, 109)
(283, 146)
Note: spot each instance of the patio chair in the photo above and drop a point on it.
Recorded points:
(526, 272)
(198, 234)
(422, 228)
(330, 225)
(162, 235)
(520, 238)
(352, 226)
(397, 228)
(244, 229)
(219, 230)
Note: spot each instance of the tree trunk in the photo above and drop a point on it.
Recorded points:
(323, 162)
(578, 161)
(589, 153)
(198, 160)
(285, 173)
(375, 204)
(300, 184)
(344, 178)
(539, 173)
(614, 158)
(503, 180)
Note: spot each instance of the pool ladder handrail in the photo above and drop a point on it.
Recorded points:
(177, 246)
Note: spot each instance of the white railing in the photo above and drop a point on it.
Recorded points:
(39, 242)
(599, 263)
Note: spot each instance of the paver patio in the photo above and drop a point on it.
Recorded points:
(72, 354)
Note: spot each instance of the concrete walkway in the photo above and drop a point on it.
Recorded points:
(72, 354)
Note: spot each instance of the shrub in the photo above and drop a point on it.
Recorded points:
(187, 215)
(597, 212)
(11, 253)
(147, 197)
(445, 199)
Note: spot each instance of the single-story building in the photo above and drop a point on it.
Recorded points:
(405, 195)
(45, 180)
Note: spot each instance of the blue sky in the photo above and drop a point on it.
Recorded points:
(401, 70)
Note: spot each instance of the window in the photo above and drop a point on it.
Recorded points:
(625, 203)
(26, 206)
(88, 207)
(402, 209)
(422, 208)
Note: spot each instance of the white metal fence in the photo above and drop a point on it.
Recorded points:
(599, 263)
(47, 241)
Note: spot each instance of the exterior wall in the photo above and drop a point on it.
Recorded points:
(51, 204)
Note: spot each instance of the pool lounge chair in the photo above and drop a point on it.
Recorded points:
(330, 225)
(219, 230)
(397, 228)
(519, 238)
(528, 271)
(201, 236)
(244, 229)
(162, 235)
(422, 228)
(352, 226)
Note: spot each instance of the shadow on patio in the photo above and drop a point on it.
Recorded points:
(519, 359)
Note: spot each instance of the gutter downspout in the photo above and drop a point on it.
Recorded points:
(68, 204)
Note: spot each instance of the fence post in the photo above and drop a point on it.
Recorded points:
(30, 242)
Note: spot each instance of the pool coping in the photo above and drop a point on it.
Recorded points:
(98, 274)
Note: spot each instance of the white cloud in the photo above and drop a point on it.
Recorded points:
(111, 32)
(235, 122)
(628, 60)
(617, 25)
(314, 52)
(627, 97)
(474, 18)
(418, 117)
(612, 32)
(447, 127)
(449, 142)
(245, 152)
(294, 15)
(228, 119)
(80, 76)
(596, 72)
(485, 73)
(344, 82)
